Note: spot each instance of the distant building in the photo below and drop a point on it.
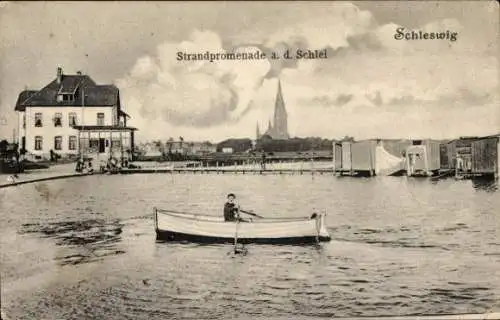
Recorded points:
(73, 116)
(151, 150)
(189, 147)
(201, 148)
(279, 129)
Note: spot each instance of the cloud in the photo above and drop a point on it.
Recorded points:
(193, 93)
(209, 94)
(328, 101)
(404, 77)
(331, 28)
(204, 94)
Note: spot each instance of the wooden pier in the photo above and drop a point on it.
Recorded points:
(223, 170)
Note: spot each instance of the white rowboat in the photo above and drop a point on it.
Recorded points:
(179, 226)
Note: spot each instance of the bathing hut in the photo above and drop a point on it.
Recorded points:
(363, 157)
(346, 157)
(456, 155)
(370, 158)
(337, 156)
(422, 158)
(485, 156)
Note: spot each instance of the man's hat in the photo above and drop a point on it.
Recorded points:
(231, 195)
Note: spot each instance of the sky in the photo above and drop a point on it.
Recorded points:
(370, 86)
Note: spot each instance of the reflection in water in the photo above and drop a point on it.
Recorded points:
(488, 185)
(83, 241)
(46, 193)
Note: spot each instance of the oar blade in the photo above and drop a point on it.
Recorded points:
(252, 214)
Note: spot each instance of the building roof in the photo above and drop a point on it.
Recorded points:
(78, 85)
(497, 135)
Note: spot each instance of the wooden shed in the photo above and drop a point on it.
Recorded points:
(422, 158)
(371, 158)
(363, 156)
(485, 156)
(346, 157)
(337, 155)
(457, 154)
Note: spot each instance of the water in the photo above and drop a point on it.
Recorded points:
(84, 248)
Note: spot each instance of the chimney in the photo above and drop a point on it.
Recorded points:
(79, 73)
(59, 75)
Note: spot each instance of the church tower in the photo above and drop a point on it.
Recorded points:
(257, 132)
(280, 116)
(279, 129)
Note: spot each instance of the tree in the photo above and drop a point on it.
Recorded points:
(347, 138)
(170, 144)
(4, 144)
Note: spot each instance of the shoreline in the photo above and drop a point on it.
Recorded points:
(54, 172)
(55, 177)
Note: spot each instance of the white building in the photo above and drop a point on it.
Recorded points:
(73, 116)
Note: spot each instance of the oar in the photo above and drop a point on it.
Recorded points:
(252, 214)
(236, 249)
(236, 237)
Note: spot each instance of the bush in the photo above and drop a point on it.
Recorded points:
(293, 145)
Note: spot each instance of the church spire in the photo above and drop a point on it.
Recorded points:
(280, 103)
(280, 114)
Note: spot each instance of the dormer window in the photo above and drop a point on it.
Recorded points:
(100, 118)
(65, 97)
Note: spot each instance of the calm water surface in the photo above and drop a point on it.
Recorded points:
(85, 249)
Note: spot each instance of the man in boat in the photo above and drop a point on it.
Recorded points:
(231, 210)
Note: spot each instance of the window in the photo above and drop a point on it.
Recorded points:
(58, 119)
(100, 119)
(72, 143)
(58, 143)
(65, 97)
(116, 143)
(94, 143)
(38, 143)
(72, 119)
(24, 120)
(38, 119)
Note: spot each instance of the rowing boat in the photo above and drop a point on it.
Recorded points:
(187, 227)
